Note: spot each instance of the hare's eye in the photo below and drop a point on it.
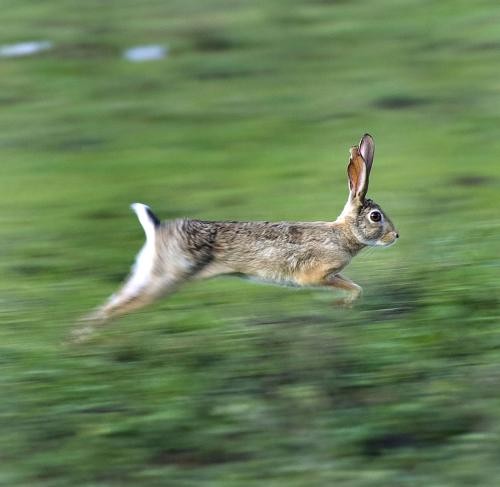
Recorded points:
(375, 216)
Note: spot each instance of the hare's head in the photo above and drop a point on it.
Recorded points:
(365, 219)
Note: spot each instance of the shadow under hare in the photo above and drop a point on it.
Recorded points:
(290, 253)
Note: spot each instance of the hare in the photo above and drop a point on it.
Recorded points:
(290, 253)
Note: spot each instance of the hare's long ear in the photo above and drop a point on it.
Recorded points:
(358, 175)
(367, 150)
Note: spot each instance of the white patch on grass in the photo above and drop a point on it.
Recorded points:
(24, 48)
(139, 54)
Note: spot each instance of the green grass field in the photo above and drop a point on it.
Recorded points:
(250, 117)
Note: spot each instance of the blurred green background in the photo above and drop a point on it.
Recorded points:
(250, 116)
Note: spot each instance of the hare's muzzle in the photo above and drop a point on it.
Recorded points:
(388, 239)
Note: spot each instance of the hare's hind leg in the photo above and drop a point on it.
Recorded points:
(126, 299)
(118, 304)
(147, 281)
(129, 298)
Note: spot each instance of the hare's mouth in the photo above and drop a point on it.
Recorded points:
(388, 240)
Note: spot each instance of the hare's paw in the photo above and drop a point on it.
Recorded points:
(80, 335)
(347, 301)
(344, 303)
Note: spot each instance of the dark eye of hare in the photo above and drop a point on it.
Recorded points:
(375, 216)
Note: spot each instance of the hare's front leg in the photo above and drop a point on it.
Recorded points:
(341, 282)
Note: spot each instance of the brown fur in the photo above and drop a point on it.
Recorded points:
(291, 253)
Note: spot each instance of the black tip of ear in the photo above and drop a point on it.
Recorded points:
(367, 150)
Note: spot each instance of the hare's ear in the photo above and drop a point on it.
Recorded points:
(367, 150)
(358, 175)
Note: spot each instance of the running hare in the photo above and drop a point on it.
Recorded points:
(294, 253)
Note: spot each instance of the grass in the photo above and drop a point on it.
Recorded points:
(250, 117)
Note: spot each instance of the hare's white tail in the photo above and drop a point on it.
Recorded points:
(144, 262)
(147, 219)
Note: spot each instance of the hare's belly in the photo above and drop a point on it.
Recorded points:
(297, 269)
(288, 265)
